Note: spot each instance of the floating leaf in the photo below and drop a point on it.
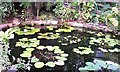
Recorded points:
(25, 55)
(34, 59)
(83, 50)
(59, 62)
(39, 64)
(41, 47)
(61, 58)
(64, 55)
(50, 64)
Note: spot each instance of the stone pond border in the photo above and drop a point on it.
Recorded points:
(56, 23)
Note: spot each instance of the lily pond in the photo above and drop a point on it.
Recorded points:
(63, 49)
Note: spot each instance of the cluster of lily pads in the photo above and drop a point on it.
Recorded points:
(27, 53)
(109, 50)
(49, 35)
(83, 50)
(49, 28)
(103, 41)
(53, 54)
(69, 40)
(65, 29)
(99, 65)
(26, 30)
(25, 42)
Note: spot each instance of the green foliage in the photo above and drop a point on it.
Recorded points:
(39, 64)
(88, 9)
(26, 4)
(83, 50)
(49, 35)
(65, 29)
(67, 40)
(94, 12)
(65, 12)
(6, 8)
(4, 59)
(103, 41)
(25, 42)
(99, 65)
(26, 30)
(5, 36)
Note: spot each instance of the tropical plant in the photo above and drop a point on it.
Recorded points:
(5, 63)
(4, 45)
(88, 10)
(63, 12)
(5, 36)
(6, 8)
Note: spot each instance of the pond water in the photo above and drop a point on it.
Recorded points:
(77, 46)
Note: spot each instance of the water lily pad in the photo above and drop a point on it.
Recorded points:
(34, 59)
(39, 64)
(25, 55)
(41, 47)
(27, 31)
(29, 49)
(83, 50)
(59, 63)
(61, 58)
(64, 55)
(50, 64)
(49, 35)
(27, 43)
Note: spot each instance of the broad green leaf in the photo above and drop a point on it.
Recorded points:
(39, 64)
(50, 64)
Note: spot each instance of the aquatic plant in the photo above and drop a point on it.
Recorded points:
(65, 29)
(50, 28)
(52, 53)
(99, 65)
(83, 50)
(25, 42)
(103, 41)
(26, 30)
(109, 50)
(66, 40)
(49, 35)
(27, 53)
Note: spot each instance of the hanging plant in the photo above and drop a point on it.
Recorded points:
(83, 50)
(25, 42)
(26, 30)
(49, 35)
